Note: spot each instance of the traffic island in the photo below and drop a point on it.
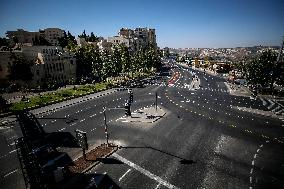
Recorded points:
(82, 164)
(145, 115)
(76, 171)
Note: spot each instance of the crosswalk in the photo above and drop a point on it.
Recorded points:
(273, 106)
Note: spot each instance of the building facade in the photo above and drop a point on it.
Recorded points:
(51, 65)
(52, 35)
(104, 45)
(135, 39)
(22, 36)
(116, 40)
(27, 37)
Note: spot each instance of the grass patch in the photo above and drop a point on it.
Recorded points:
(59, 95)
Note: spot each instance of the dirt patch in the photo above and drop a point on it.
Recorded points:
(92, 156)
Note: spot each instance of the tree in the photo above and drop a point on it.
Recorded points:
(3, 42)
(20, 69)
(84, 61)
(116, 60)
(108, 68)
(167, 53)
(63, 41)
(3, 104)
(125, 59)
(83, 35)
(262, 70)
(93, 38)
(15, 39)
(40, 41)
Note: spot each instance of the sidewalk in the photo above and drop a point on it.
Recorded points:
(237, 90)
(60, 105)
(17, 96)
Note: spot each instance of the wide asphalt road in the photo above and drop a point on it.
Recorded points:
(203, 141)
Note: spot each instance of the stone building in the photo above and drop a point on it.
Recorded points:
(29, 38)
(22, 36)
(51, 65)
(52, 35)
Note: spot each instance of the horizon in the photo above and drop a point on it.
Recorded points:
(179, 24)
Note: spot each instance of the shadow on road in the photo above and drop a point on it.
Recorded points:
(38, 154)
(90, 181)
(182, 160)
(109, 161)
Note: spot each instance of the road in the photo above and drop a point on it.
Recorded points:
(204, 141)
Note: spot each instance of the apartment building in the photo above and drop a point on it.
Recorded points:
(52, 35)
(104, 45)
(22, 36)
(51, 64)
(139, 37)
(29, 38)
(116, 40)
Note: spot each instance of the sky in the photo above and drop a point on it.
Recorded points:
(178, 23)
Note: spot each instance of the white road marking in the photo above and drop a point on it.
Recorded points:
(145, 172)
(124, 175)
(10, 173)
(73, 124)
(62, 129)
(12, 151)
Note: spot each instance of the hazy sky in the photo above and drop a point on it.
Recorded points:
(178, 23)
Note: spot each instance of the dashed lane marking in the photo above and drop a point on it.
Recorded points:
(124, 175)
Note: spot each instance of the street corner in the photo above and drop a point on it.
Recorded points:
(75, 172)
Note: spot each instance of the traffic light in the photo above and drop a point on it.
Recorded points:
(127, 109)
(131, 97)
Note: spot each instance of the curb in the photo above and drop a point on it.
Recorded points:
(149, 121)
(98, 162)
(50, 103)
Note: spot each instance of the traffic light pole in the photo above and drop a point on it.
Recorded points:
(156, 101)
(106, 132)
(105, 122)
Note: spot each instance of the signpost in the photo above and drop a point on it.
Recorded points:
(82, 140)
